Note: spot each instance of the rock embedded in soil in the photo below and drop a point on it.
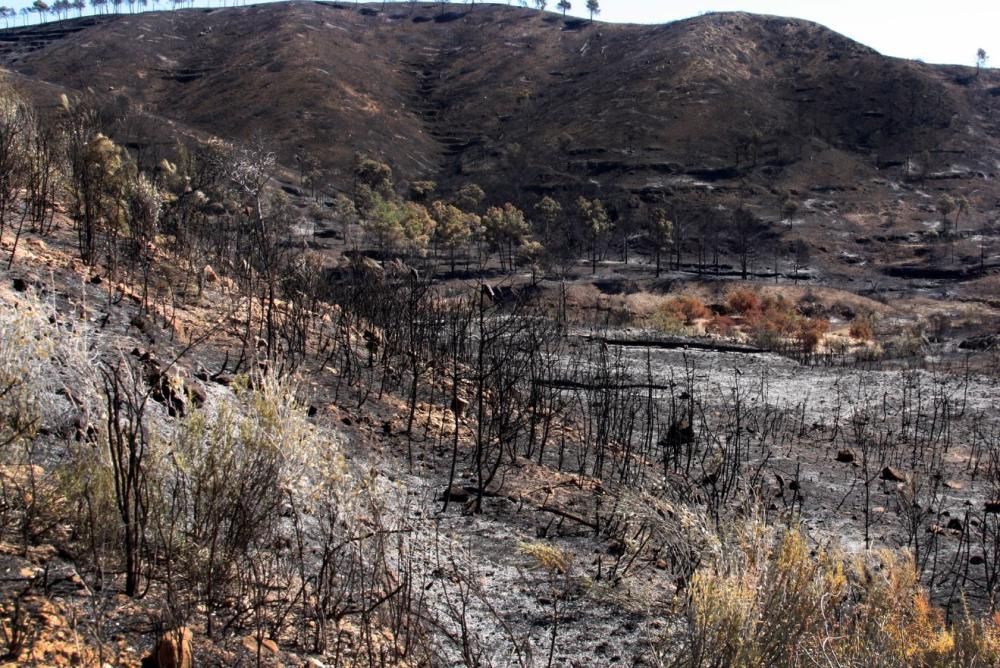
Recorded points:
(458, 406)
(617, 548)
(455, 493)
(266, 646)
(893, 474)
(845, 456)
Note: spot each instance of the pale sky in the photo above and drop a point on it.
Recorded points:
(938, 31)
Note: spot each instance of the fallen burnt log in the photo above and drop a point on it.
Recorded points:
(564, 384)
(677, 343)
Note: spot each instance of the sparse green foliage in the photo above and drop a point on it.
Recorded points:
(789, 208)
(961, 207)
(595, 221)
(100, 182)
(372, 179)
(17, 126)
(417, 226)
(505, 228)
(420, 191)
(565, 6)
(661, 233)
(310, 173)
(399, 226)
(383, 222)
(946, 205)
(747, 231)
(469, 197)
(548, 213)
(452, 227)
(531, 253)
(229, 469)
(594, 7)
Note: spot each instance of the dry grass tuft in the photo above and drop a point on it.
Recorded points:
(771, 600)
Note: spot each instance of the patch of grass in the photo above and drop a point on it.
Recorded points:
(771, 600)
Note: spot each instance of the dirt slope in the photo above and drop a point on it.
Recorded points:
(525, 98)
(716, 111)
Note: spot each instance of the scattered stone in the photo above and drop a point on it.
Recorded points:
(954, 484)
(780, 482)
(662, 565)
(956, 524)
(20, 285)
(208, 274)
(197, 394)
(313, 662)
(141, 323)
(387, 427)
(170, 390)
(845, 456)
(173, 650)
(455, 493)
(617, 548)
(96, 279)
(223, 379)
(893, 474)
(51, 620)
(936, 529)
(62, 579)
(311, 412)
(347, 420)
(267, 646)
(977, 560)
(993, 506)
